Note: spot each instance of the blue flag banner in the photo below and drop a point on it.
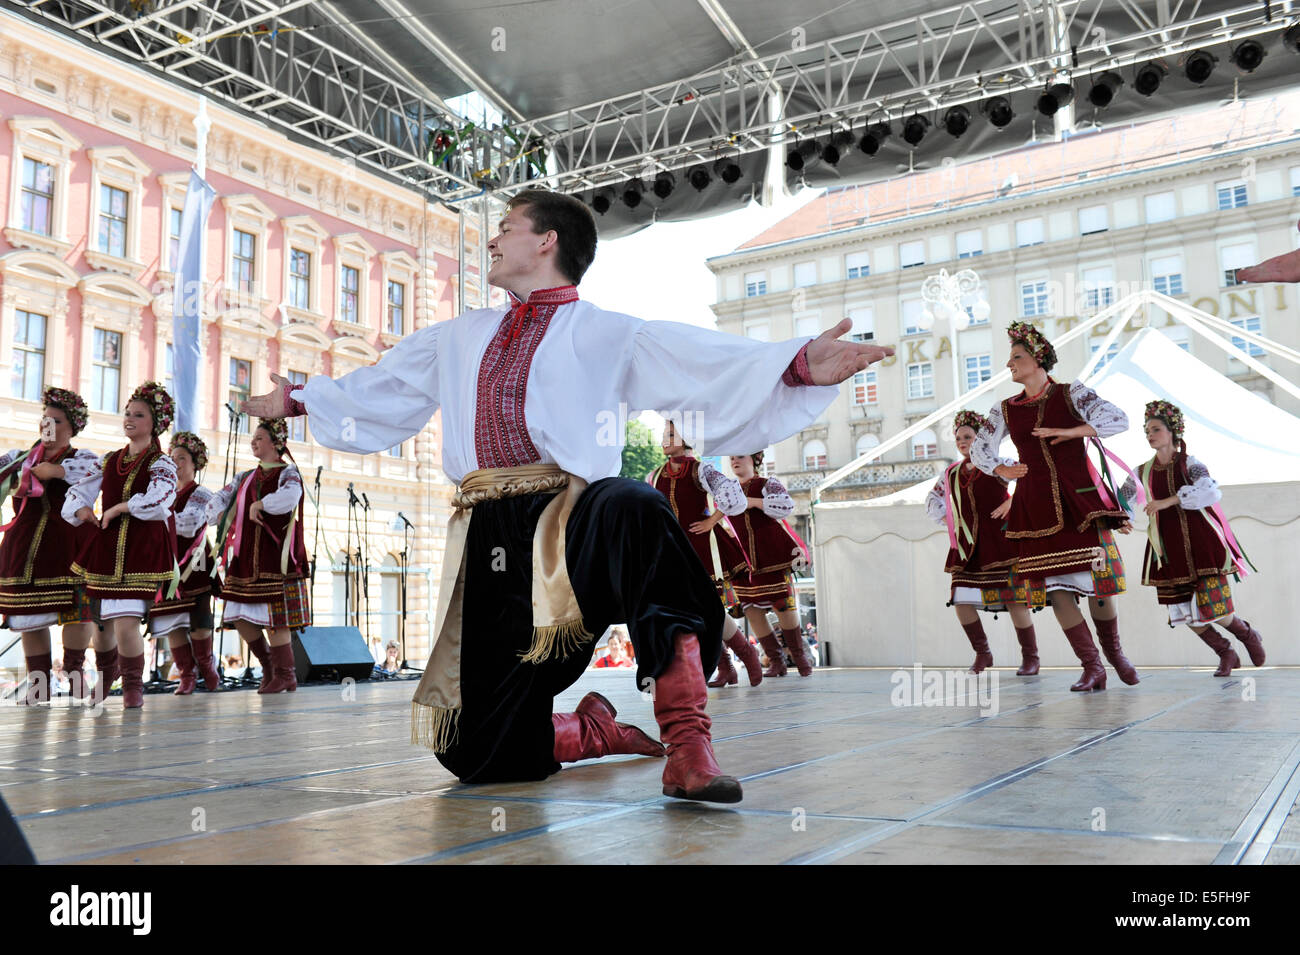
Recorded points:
(188, 303)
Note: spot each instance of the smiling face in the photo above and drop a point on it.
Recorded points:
(262, 446)
(516, 252)
(56, 431)
(137, 421)
(965, 437)
(1023, 365)
(742, 465)
(1158, 435)
(184, 465)
(672, 441)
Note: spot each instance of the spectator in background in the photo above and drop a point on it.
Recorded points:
(391, 664)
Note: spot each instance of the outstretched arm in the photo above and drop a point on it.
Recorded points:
(1280, 268)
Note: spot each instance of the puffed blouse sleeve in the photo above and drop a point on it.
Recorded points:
(1202, 492)
(77, 465)
(984, 449)
(936, 503)
(1106, 419)
(217, 504)
(84, 493)
(777, 502)
(155, 502)
(287, 495)
(727, 492)
(193, 517)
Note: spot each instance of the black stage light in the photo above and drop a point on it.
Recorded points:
(632, 193)
(1248, 55)
(873, 137)
(998, 110)
(699, 178)
(602, 200)
(1056, 96)
(1148, 77)
(1103, 91)
(1291, 37)
(802, 154)
(727, 169)
(664, 183)
(957, 120)
(839, 142)
(914, 129)
(1199, 65)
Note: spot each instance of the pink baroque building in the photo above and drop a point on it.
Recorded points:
(311, 267)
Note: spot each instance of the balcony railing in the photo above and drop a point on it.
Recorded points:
(900, 472)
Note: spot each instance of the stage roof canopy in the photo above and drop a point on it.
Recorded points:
(595, 94)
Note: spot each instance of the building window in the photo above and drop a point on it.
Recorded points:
(1093, 219)
(925, 444)
(979, 369)
(865, 444)
(970, 243)
(814, 456)
(1233, 257)
(1105, 359)
(29, 356)
(300, 279)
(1178, 334)
(243, 262)
(1161, 207)
(1033, 299)
(38, 197)
(106, 373)
(1295, 180)
(1029, 232)
(755, 284)
(349, 292)
(1248, 323)
(396, 308)
(241, 378)
(1098, 288)
(864, 324)
(857, 265)
(864, 387)
(920, 380)
(1232, 195)
(298, 424)
(1167, 274)
(395, 451)
(805, 274)
(112, 220)
(912, 309)
(173, 237)
(911, 254)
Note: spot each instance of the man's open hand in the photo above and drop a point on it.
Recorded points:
(273, 404)
(831, 361)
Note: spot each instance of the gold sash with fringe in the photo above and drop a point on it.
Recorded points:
(558, 629)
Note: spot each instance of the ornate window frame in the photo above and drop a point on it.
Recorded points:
(400, 267)
(174, 187)
(305, 234)
(249, 214)
(115, 303)
(354, 251)
(37, 282)
(245, 333)
(42, 139)
(118, 167)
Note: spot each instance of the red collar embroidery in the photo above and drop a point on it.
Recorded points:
(520, 312)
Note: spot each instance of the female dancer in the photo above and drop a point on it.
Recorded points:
(37, 588)
(687, 483)
(1190, 549)
(974, 506)
(133, 553)
(768, 584)
(186, 618)
(1061, 515)
(260, 547)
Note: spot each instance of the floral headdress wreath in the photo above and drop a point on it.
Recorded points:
(159, 401)
(970, 419)
(1023, 333)
(278, 429)
(192, 443)
(70, 403)
(1167, 412)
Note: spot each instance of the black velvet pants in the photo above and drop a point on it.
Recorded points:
(630, 562)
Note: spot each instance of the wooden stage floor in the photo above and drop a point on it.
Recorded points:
(1184, 768)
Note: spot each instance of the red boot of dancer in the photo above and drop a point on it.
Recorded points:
(184, 658)
(73, 660)
(109, 670)
(1108, 637)
(727, 675)
(775, 655)
(261, 650)
(679, 700)
(284, 679)
(793, 640)
(132, 682)
(590, 732)
(745, 651)
(1028, 651)
(203, 662)
(980, 644)
(1094, 674)
(39, 669)
(1249, 638)
(1228, 659)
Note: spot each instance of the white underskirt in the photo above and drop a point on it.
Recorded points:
(259, 614)
(170, 622)
(108, 609)
(970, 597)
(21, 623)
(1079, 582)
(1186, 613)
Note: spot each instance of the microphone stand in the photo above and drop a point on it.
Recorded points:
(229, 473)
(404, 562)
(364, 562)
(347, 558)
(315, 547)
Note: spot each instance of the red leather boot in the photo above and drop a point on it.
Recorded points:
(109, 670)
(1094, 674)
(73, 660)
(261, 650)
(1108, 637)
(1249, 638)
(745, 651)
(132, 682)
(284, 679)
(793, 640)
(590, 732)
(1228, 659)
(775, 655)
(203, 662)
(39, 669)
(679, 700)
(1028, 651)
(184, 658)
(980, 644)
(726, 675)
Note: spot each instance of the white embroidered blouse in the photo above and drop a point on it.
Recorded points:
(154, 503)
(1106, 419)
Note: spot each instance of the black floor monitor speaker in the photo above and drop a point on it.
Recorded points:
(14, 849)
(331, 653)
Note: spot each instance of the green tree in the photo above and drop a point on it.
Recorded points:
(641, 452)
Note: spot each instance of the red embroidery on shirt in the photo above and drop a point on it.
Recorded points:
(500, 431)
